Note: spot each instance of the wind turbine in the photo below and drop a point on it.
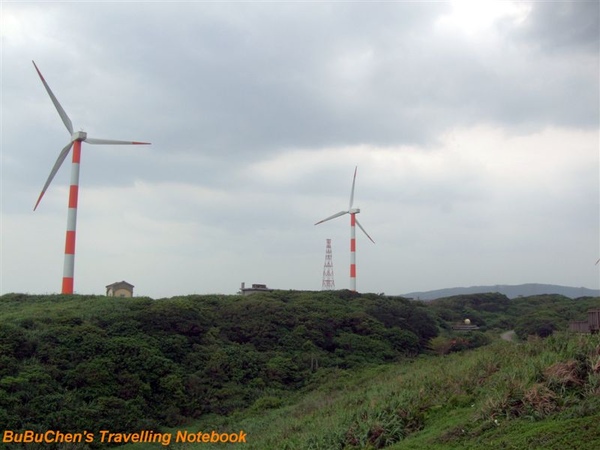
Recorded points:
(77, 138)
(353, 221)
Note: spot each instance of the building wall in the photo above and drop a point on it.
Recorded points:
(594, 319)
(122, 292)
(579, 326)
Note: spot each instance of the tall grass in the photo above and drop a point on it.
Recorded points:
(504, 395)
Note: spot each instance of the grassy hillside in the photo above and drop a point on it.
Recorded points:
(540, 394)
(85, 362)
(313, 369)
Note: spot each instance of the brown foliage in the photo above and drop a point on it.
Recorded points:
(564, 374)
(540, 399)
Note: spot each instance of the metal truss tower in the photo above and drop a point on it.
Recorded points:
(328, 283)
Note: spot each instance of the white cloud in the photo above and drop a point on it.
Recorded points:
(473, 17)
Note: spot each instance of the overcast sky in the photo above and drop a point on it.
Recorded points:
(474, 126)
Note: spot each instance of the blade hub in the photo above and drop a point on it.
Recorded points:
(79, 136)
(354, 211)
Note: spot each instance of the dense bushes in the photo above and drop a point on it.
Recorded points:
(541, 325)
(90, 362)
(82, 362)
(535, 315)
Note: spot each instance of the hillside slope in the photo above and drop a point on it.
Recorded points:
(538, 395)
(93, 363)
(86, 362)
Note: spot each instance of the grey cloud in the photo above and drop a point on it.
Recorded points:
(565, 26)
(225, 92)
(249, 79)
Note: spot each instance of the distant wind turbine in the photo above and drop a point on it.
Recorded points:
(353, 221)
(76, 139)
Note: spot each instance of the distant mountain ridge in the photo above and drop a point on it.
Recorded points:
(521, 290)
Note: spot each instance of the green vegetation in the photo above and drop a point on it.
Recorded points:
(298, 369)
(81, 362)
(540, 394)
(536, 315)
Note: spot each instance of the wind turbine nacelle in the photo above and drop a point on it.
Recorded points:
(79, 136)
(354, 211)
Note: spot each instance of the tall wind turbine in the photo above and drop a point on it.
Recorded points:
(353, 221)
(77, 138)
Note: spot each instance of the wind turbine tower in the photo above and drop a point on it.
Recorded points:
(77, 138)
(328, 283)
(353, 222)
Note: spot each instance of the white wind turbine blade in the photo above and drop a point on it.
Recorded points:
(341, 213)
(94, 141)
(61, 157)
(363, 230)
(61, 111)
(352, 192)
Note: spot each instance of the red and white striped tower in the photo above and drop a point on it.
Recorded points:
(76, 139)
(328, 283)
(353, 251)
(69, 262)
(353, 223)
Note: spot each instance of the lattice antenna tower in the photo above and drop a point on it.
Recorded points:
(328, 283)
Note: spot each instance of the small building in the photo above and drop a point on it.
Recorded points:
(579, 326)
(254, 289)
(591, 325)
(464, 326)
(120, 289)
